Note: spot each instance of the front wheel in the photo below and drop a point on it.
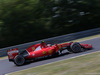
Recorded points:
(75, 47)
(19, 60)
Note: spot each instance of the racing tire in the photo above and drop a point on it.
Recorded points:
(19, 60)
(75, 47)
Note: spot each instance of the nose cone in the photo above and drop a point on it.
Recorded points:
(86, 46)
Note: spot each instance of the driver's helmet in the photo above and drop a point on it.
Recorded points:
(42, 42)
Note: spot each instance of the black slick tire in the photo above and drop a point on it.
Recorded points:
(19, 60)
(75, 47)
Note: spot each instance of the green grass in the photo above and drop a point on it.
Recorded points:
(83, 65)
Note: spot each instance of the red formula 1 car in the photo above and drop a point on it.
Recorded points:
(41, 50)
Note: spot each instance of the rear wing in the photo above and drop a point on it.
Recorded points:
(12, 53)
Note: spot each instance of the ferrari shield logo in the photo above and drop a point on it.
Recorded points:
(44, 52)
(59, 46)
(33, 48)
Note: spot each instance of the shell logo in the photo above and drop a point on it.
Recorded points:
(59, 46)
(44, 52)
(50, 51)
(33, 48)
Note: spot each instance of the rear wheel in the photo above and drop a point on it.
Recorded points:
(75, 47)
(19, 60)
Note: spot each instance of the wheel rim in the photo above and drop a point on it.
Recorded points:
(76, 48)
(19, 60)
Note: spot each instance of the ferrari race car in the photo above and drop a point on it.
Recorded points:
(41, 50)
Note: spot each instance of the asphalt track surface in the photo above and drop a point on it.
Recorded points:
(8, 67)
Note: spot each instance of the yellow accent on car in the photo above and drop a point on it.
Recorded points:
(50, 51)
(44, 52)
(8, 51)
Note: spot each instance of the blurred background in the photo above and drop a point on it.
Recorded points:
(23, 21)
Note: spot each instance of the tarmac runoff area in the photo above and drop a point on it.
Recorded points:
(92, 40)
